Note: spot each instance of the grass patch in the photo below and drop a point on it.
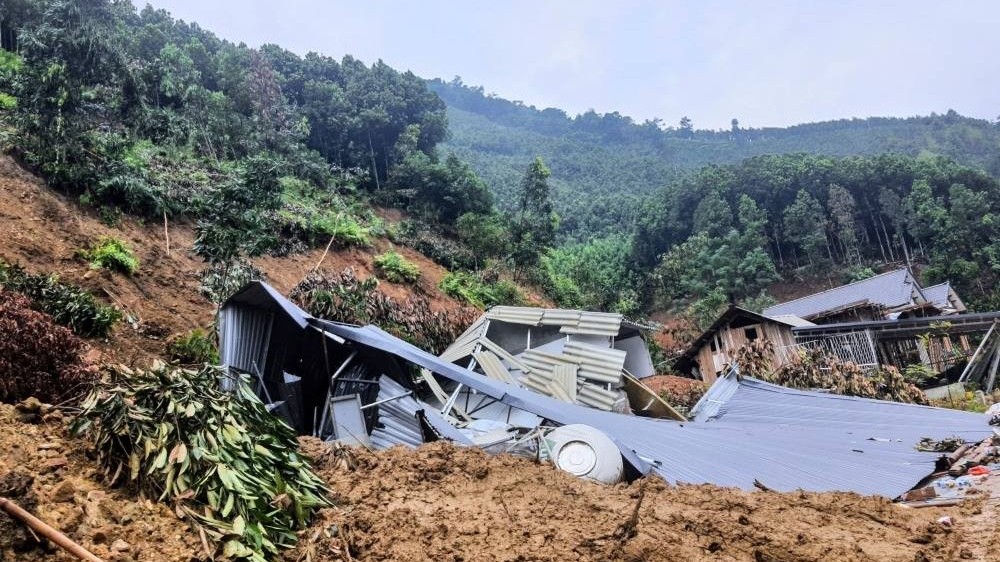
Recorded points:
(393, 267)
(112, 254)
(471, 289)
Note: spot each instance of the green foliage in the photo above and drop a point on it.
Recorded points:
(37, 357)
(815, 369)
(470, 288)
(195, 347)
(443, 250)
(221, 458)
(345, 298)
(221, 280)
(112, 254)
(595, 276)
(392, 266)
(535, 226)
(487, 236)
(316, 216)
(67, 304)
(856, 274)
(605, 166)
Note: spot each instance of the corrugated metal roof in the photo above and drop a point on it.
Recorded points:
(570, 321)
(516, 314)
(737, 399)
(944, 298)
(397, 419)
(844, 454)
(727, 454)
(891, 290)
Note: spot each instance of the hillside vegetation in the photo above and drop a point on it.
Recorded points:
(603, 164)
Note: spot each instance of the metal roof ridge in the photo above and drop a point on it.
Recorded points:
(838, 287)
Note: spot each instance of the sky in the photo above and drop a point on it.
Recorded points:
(766, 63)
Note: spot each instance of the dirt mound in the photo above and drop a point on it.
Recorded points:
(445, 503)
(47, 472)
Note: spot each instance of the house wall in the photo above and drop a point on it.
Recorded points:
(732, 339)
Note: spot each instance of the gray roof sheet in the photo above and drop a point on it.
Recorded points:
(785, 439)
(783, 456)
(891, 289)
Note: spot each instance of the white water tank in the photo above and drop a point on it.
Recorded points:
(584, 451)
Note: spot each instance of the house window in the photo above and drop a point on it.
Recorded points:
(750, 333)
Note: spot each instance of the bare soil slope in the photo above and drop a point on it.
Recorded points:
(42, 230)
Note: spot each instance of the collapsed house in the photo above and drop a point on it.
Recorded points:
(710, 354)
(361, 385)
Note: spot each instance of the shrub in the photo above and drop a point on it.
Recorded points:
(112, 254)
(469, 288)
(220, 458)
(67, 304)
(345, 298)
(392, 266)
(37, 357)
(443, 251)
(194, 347)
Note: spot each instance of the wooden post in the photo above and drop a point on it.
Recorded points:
(166, 233)
(47, 531)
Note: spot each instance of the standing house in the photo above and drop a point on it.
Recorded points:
(891, 295)
(706, 357)
(888, 319)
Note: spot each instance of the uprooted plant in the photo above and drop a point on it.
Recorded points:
(815, 368)
(346, 298)
(228, 466)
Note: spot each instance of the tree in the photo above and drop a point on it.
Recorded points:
(713, 216)
(686, 128)
(805, 225)
(534, 230)
(844, 215)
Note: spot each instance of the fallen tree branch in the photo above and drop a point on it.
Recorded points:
(44, 529)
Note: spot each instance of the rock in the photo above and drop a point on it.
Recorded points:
(120, 546)
(63, 492)
(29, 405)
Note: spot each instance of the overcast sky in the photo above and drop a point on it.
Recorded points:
(767, 63)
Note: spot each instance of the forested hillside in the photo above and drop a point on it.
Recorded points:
(602, 164)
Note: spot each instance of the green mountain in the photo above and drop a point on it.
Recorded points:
(604, 166)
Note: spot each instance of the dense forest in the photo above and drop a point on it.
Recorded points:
(267, 151)
(603, 164)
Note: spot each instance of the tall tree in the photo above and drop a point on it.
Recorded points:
(843, 213)
(805, 225)
(534, 230)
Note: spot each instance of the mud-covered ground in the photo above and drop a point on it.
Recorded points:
(449, 504)
(445, 503)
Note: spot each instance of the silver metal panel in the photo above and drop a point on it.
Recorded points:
(516, 314)
(561, 317)
(493, 367)
(398, 418)
(596, 363)
(596, 323)
(596, 396)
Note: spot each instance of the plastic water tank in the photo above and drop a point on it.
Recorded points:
(586, 452)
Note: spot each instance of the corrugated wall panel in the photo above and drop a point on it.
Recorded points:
(492, 366)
